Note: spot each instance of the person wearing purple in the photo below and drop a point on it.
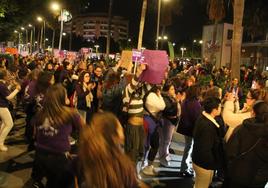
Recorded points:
(54, 126)
(190, 111)
(5, 116)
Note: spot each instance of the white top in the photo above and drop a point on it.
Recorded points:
(232, 119)
(155, 103)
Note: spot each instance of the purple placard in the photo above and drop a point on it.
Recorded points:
(136, 55)
(157, 62)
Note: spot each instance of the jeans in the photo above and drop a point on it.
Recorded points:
(165, 136)
(152, 139)
(187, 151)
(7, 124)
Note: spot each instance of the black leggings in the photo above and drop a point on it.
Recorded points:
(55, 167)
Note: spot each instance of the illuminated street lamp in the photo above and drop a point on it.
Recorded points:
(43, 30)
(64, 17)
(200, 42)
(19, 39)
(32, 35)
(26, 34)
(97, 47)
(182, 51)
(158, 22)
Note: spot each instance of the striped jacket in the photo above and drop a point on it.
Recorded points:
(133, 98)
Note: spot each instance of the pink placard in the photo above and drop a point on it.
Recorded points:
(157, 62)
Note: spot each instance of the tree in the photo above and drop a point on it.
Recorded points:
(255, 22)
(7, 7)
(238, 7)
(142, 21)
(216, 12)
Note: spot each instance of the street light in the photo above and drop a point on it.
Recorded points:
(200, 42)
(158, 22)
(32, 35)
(194, 41)
(56, 7)
(26, 34)
(19, 40)
(43, 31)
(182, 51)
(165, 37)
(46, 40)
(97, 47)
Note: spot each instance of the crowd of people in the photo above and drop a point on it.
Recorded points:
(91, 122)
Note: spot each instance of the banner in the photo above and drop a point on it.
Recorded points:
(13, 51)
(157, 62)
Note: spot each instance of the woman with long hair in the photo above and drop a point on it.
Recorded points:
(232, 116)
(190, 111)
(84, 95)
(55, 124)
(112, 92)
(5, 115)
(154, 104)
(170, 120)
(101, 153)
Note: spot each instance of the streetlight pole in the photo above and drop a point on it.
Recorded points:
(97, 47)
(19, 40)
(182, 51)
(44, 34)
(61, 28)
(194, 41)
(41, 31)
(31, 37)
(158, 23)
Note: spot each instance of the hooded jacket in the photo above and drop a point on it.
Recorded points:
(247, 154)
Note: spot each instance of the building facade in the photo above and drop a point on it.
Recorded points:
(91, 26)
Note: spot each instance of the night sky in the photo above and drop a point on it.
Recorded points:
(184, 29)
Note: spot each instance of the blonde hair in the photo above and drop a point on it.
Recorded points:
(103, 162)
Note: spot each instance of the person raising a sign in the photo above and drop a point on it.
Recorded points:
(133, 108)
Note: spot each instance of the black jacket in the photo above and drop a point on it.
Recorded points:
(208, 145)
(247, 154)
(171, 110)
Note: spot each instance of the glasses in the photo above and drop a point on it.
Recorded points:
(249, 97)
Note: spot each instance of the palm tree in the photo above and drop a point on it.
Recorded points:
(142, 21)
(238, 7)
(216, 12)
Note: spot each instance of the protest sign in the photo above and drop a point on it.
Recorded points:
(126, 59)
(157, 62)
